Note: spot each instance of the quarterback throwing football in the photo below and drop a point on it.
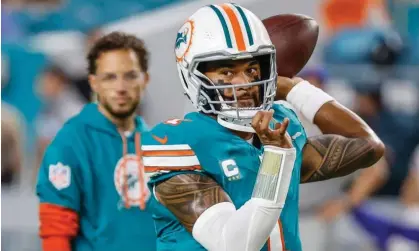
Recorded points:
(227, 177)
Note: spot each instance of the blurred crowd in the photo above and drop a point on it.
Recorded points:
(369, 62)
(371, 65)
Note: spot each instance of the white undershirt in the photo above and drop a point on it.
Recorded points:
(128, 133)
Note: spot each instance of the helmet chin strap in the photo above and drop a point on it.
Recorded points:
(231, 125)
(229, 120)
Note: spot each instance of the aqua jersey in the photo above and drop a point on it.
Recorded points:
(199, 144)
(82, 171)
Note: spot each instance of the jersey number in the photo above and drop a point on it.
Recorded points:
(173, 121)
(231, 170)
(176, 122)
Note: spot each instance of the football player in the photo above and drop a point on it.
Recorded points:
(223, 176)
(89, 184)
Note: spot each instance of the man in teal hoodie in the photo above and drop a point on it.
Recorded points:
(90, 186)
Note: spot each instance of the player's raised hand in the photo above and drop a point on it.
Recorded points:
(276, 137)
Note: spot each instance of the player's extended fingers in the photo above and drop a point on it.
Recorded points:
(256, 121)
(266, 120)
(284, 125)
(275, 133)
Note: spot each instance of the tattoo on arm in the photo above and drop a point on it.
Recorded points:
(187, 196)
(331, 156)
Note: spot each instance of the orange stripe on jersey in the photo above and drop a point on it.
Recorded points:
(269, 244)
(151, 169)
(238, 34)
(168, 153)
(282, 235)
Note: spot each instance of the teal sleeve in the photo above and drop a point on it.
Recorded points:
(165, 176)
(58, 177)
(167, 153)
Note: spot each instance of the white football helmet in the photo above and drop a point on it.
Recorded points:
(225, 32)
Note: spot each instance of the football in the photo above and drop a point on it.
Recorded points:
(295, 37)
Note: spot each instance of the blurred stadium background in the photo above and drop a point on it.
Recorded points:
(367, 57)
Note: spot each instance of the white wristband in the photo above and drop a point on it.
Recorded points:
(308, 99)
(279, 150)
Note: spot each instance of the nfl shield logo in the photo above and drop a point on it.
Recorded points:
(60, 175)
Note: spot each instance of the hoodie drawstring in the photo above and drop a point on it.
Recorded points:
(139, 160)
(141, 174)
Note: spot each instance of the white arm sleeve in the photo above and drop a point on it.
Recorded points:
(223, 228)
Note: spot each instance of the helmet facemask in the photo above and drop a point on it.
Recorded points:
(230, 110)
